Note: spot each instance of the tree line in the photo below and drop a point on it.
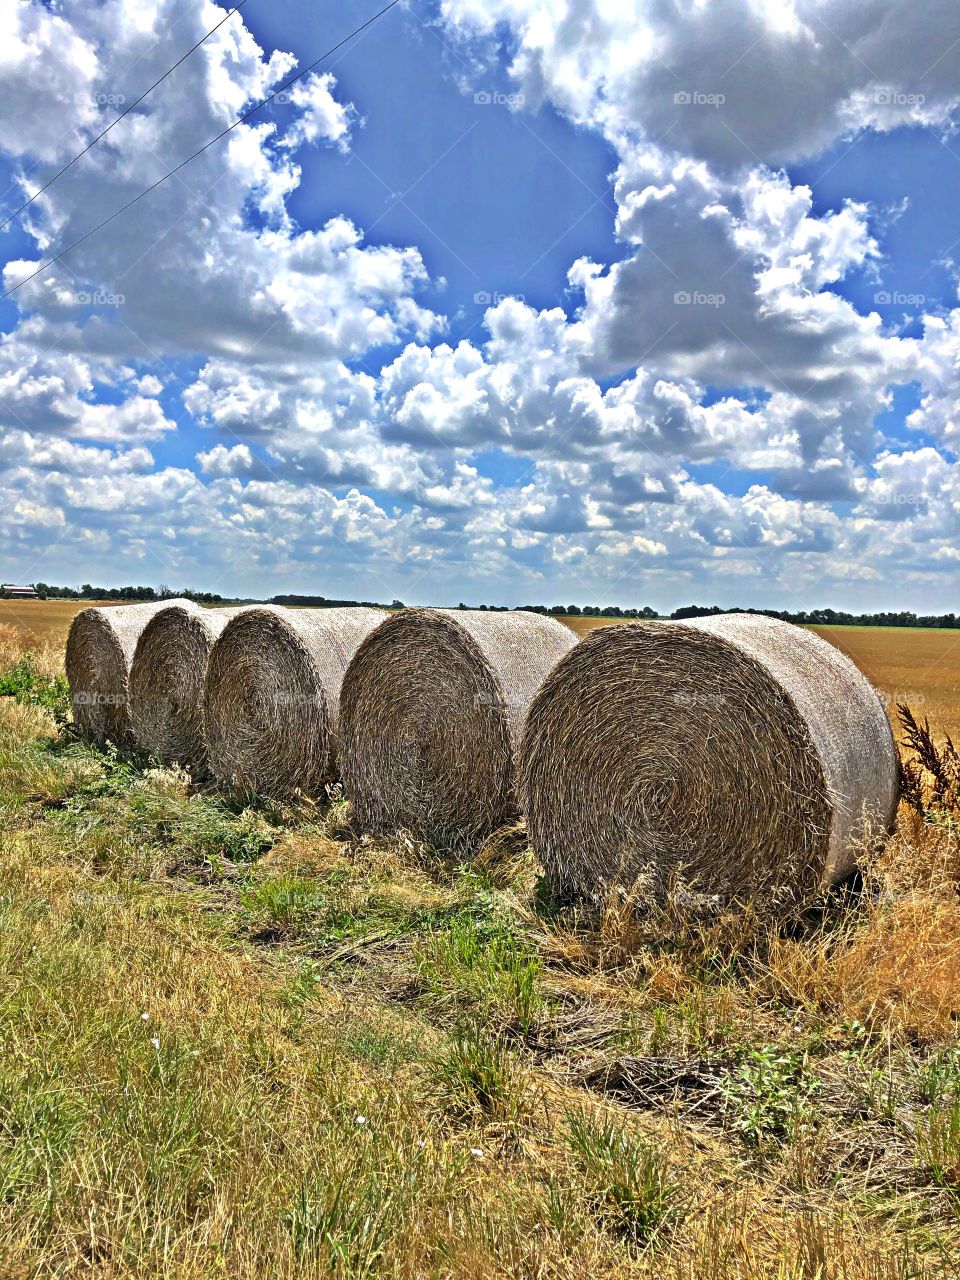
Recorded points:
(811, 617)
(146, 595)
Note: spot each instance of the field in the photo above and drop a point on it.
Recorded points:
(40, 620)
(244, 1042)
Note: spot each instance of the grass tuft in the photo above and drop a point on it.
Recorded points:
(630, 1184)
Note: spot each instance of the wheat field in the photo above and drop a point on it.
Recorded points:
(244, 1042)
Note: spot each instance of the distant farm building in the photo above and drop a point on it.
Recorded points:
(19, 593)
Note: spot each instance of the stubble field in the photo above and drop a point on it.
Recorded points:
(247, 1041)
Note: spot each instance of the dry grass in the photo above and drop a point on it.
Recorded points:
(362, 1059)
(45, 650)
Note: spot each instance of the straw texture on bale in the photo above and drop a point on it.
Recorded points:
(100, 648)
(736, 756)
(272, 693)
(430, 714)
(167, 678)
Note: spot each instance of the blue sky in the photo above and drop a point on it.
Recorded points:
(528, 300)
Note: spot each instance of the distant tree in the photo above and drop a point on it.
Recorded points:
(695, 611)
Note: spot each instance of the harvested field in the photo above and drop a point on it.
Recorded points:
(907, 664)
(239, 1041)
(39, 620)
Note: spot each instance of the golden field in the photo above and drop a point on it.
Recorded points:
(43, 619)
(244, 1042)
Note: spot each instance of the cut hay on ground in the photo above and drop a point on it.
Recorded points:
(735, 755)
(430, 714)
(167, 678)
(271, 696)
(100, 648)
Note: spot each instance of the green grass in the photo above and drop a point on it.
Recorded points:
(484, 967)
(629, 1182)
(25, 683)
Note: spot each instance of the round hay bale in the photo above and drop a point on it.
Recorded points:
(100, 648)
(271, 696)
(736, 756)
(167, 678)
(430, 713)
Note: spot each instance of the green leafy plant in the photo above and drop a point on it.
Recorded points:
(25, 683)
(769, 1095)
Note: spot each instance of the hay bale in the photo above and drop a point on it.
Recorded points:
(271, 695)
(100, 648)
(736, 756)
(430, 714)
(167, 678)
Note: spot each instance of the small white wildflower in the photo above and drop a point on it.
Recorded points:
(155, 1041)
(360, 1120)
(420, 1143)
(144, 1017)
(476, 1151)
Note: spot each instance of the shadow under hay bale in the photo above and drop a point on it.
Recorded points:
(430, 714)
(100, 649)
(271, 697)
(736, 756)
(167, 679)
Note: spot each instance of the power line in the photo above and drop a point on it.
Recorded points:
(183, 163)
(93, 142)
